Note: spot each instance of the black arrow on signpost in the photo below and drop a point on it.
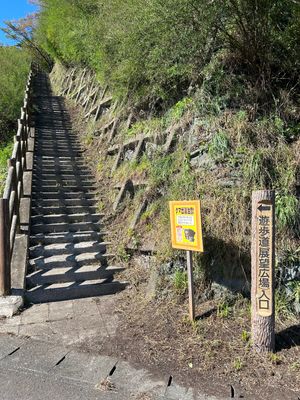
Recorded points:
(262, 208)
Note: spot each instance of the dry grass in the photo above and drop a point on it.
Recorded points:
(106, 385)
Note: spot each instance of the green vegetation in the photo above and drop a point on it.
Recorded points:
(287, 211)
(223, 310)
(14, 69)
(180, 281)
(238, 364)
(245, 336)
(158, 51)
(5, 154)
(219, 147)
(225, 76)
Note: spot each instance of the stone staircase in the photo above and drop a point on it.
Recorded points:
(67, 256)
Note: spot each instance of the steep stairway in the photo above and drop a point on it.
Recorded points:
(67, 257)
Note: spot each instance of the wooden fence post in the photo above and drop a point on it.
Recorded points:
(263, 270)
(4, 248)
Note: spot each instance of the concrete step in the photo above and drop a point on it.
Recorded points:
(57, 170)
(68, 148)
(52, 167)
(61, 170)
(56, 203)
(70, 188)
(81, 274)
(71, 218)
(61, 176)
(46, 166)
(66, 237)
(60, 153)
(70, 260)
(67, 248)
(68, 181)
(65, 227)
(58, 139)
(63, 210)
(59, 195)
(73, 161)
(68, 291)
(62, 161)
(55, 144)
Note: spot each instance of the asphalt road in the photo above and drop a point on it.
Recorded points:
(35, 370)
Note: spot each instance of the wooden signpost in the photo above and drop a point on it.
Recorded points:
(263, 270)
(186, 233)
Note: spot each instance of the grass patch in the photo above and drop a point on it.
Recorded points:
(5, 154)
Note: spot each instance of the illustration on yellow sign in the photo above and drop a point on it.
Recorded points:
(186, 227)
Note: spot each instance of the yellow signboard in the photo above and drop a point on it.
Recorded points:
(186, 228)
(264, 287)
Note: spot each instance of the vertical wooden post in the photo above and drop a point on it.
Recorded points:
(189, 255)
(263, 270)
(4, 249)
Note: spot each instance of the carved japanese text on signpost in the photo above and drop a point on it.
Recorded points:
(264, 289)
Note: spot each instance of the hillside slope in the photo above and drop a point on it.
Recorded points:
(143, 161)
(217, 156)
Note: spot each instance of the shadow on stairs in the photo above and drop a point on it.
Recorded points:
(67, 256)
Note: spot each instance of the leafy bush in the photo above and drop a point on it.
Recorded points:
(14, 68)
(160, 50)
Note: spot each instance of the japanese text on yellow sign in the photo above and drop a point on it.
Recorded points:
(264, 292)
(186, 229)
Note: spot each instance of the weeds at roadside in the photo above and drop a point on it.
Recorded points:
(238, 364)
(180, 282)
(245, 336)
(224, 310)
(275, 359)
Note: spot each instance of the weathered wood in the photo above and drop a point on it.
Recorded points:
(113, 150)
(94, 97)
(171, 139)
(79, 92)
(118, 159)
(78, 84)
(103, 102)
(139, 212)
(127, 187)
(139, 149)
(4, 249)
(263, 327)
(130, 144)
(129, 121)
(91, 93)
(113, 131)
(10, 202)
(70, 84)
(189, 255)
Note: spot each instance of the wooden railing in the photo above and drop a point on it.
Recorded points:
(10, 202)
